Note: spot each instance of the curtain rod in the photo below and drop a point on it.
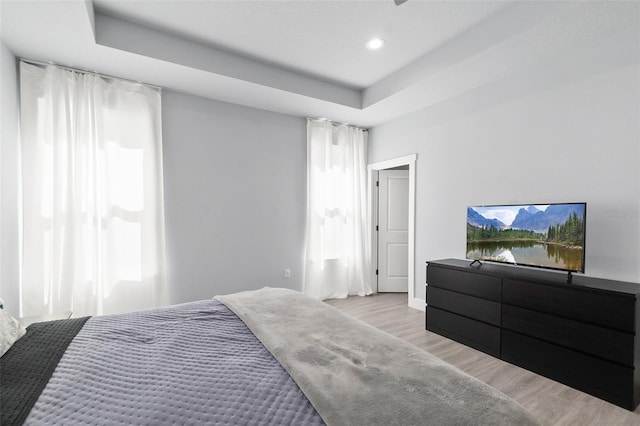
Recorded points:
(46, 64)
(335, 123)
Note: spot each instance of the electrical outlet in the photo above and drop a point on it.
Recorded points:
(287, 273)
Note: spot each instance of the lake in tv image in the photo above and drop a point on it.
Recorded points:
(545, 235)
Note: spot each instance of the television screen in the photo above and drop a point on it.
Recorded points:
(541, 235)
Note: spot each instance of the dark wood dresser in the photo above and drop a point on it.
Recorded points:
(582, 333)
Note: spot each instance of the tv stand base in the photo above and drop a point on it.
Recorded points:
(579, 331)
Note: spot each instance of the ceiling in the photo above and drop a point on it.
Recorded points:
(324, 39)
(307, 57)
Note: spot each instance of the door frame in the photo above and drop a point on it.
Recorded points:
(372, 214)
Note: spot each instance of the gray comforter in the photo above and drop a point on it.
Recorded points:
(189, 364)
(354, 374)
(198, 363)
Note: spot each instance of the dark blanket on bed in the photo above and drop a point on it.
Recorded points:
(26, 368)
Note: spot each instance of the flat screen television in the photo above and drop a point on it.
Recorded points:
(539, 235)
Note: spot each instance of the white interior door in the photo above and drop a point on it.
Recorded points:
(393, 230)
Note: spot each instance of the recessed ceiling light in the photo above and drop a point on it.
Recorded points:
(375, 44)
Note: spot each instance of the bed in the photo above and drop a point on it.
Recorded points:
(270, 356)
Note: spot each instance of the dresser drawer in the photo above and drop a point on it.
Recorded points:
(468, 306)
(473, 284)
(606, 380)
(594, 340)
(599, 308)
(475, 334)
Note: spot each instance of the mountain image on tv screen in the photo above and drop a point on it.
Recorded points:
(542, 235)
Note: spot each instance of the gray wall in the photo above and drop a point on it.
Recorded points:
(9, 137)
(235, 194)
(553, 139)
(235, 176)
(235, 197)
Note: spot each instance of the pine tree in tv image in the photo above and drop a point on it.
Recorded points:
(543, 235)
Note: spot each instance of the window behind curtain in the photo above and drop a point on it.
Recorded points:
(337, 244)
(93, 216)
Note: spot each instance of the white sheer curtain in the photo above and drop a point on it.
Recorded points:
(92, 195)
(337, 255)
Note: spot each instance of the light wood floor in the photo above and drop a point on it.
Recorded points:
(550, 402)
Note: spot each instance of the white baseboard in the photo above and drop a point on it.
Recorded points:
(418, 304)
